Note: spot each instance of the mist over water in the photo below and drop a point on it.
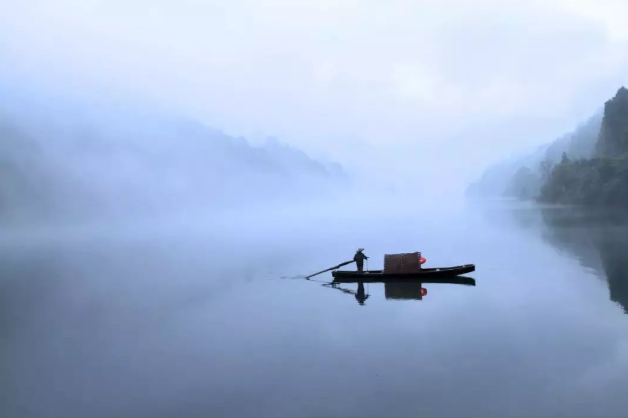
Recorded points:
(151, 266)
(218, 321)
(171, 171)
(83, 159)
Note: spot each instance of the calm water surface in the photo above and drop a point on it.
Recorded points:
(218, 323)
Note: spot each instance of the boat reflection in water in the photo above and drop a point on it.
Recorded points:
(404, 291)
(398, 290)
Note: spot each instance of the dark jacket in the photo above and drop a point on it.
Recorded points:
(359, 256)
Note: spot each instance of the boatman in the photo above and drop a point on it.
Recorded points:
(359, 258)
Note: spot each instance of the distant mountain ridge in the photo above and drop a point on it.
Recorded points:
(496, 179)
(601, 179)
(586, 167)
(81, 159)
(523, 177)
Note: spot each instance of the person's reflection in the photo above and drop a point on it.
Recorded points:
(360, 295)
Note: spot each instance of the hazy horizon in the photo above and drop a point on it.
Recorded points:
(427, 93)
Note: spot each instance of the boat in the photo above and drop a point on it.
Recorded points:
(433, 275)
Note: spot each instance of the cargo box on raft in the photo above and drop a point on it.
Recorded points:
(402, 263)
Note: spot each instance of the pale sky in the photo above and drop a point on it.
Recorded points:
(426, 89)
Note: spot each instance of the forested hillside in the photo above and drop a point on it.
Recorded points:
(528, 177)
(601, 179)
